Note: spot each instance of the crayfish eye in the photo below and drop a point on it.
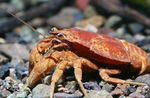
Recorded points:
(59, 35)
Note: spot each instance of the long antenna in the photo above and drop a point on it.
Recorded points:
(33, 29)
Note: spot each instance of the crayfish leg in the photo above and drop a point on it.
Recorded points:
(56, 75)
(105, 75)
(78, 75)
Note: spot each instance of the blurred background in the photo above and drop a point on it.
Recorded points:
(124, 19)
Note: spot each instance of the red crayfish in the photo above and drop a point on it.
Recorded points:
(85, 51)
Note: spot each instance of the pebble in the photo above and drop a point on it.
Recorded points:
(96, 21)
(119, 90)
(2, 41)
(64, 95)
(144, 79)
(19, 4)
(4, 93)
(139, 37)
(3, 59)
(143, 42)
(112, 21)
(91, 86)
(4, 71)
(66, 18)
(27, 35)
(135, 27)
(131, 89)
(71, 86)
(98, 94)
(15, 50)
(136, 95)
(106, 86)
(146, 48)
(21, 72)
(41, 91)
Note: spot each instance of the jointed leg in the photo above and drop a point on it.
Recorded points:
(78, 74)
(56, 75)
(105, 75)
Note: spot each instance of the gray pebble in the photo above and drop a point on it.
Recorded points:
(98, 94)
(144, 79)
(41, 91)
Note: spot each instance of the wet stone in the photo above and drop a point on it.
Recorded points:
(41, 91)
(15, 50)
(21, 72)
(144, 79)
(3, 59)
(4, 93)
(98, 94)
(112, 21)
(143, 42)
(143, 89)
(146, 48)
(135, 27)
(131, 89)
(120, 90)
(64, 95)
(66, 18)
(4, 71)
(91, 86)
(71, 86)
(136, 95)
(106, 86)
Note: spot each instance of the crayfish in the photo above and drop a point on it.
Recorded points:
(85, 51)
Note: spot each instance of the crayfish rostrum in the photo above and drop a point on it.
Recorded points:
(85, 51)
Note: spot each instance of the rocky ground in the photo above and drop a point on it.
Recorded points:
(16, 45)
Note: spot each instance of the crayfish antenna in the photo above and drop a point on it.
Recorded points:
(28, 25)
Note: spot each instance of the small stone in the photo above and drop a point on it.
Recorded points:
(12, 73)
(98, 94)
(22, 94)
(143, 79)
(90, 28)
(96, 21)
(143, 90)
(131, 89)
(4, 71)
(135, 27)
(143, 42)
(106, 86)
(139, 37)
(2, 41)
(21, 71)
(119, 90)
(3, 59)
(147, 95)
(19, 4)
(11, 96)
(15, 50)
(66, 18)
(91, 86)
(71, 86)
(41, 91)
(136, 95)
(64, 95)
(112, 21)
(89, 12)
(121, 31)
(146, 48)
(27, 35)
(5, 93)
(122, 96)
